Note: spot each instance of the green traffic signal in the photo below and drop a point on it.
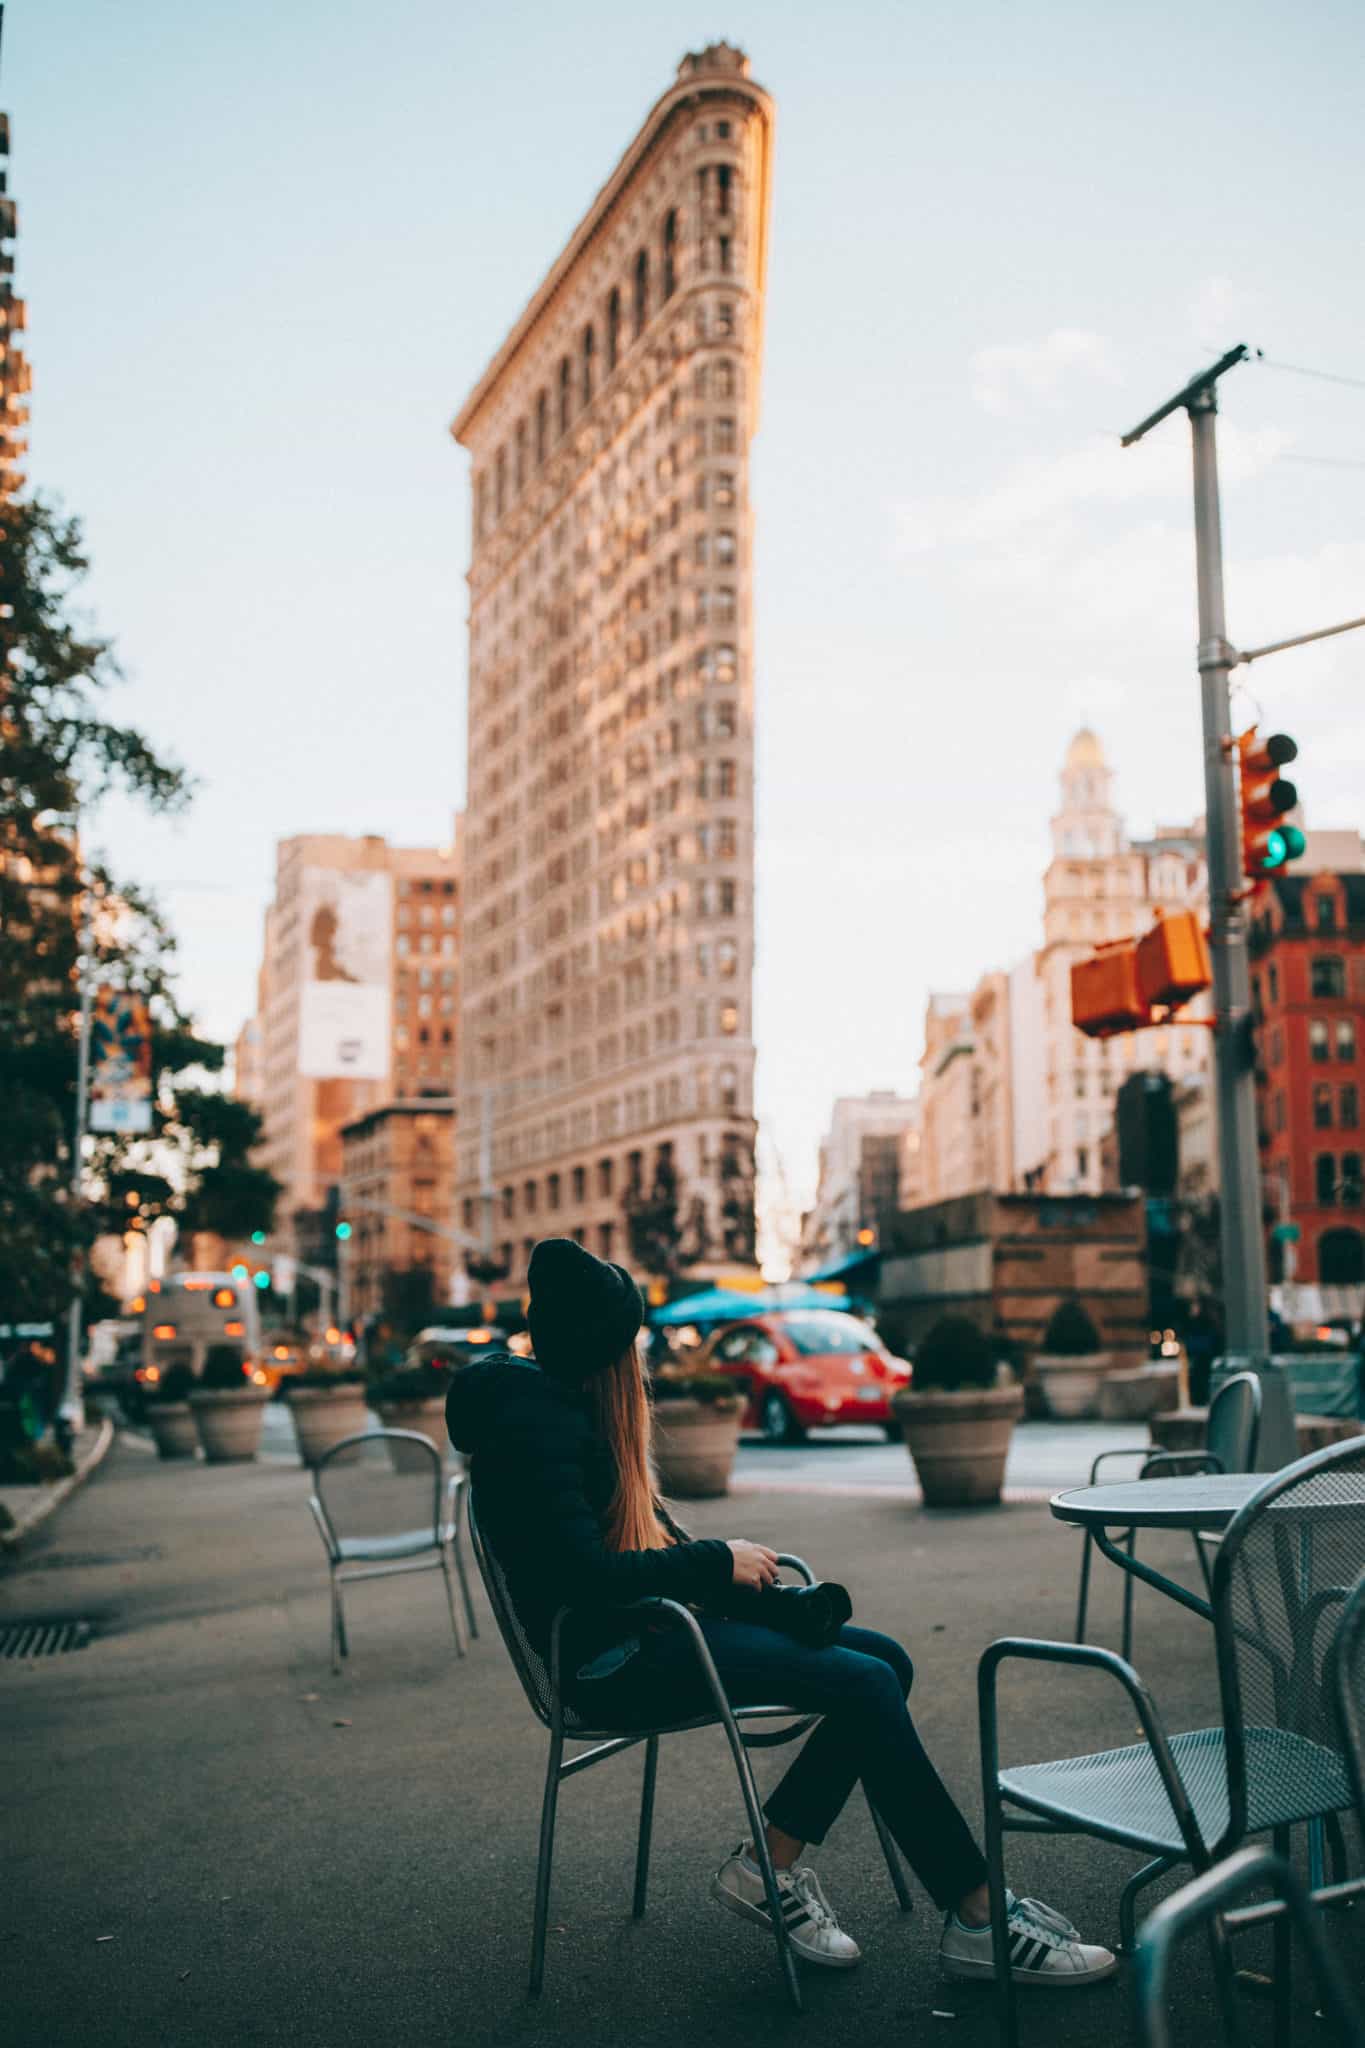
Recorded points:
(262, 1280)
(343, 1231)
(258, 1237)
(1294, 842)
(1276, 851)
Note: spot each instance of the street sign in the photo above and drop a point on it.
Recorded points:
(1286, 1233)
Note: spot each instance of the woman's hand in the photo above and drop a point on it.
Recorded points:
(753, 1566)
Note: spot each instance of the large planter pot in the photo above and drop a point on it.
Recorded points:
(1071, 1386)
(694, 1445)
(1134, 1396)
(173, 1430)
(229, 1422)
(959, 1441)
(428, 1418)
(323, 1416)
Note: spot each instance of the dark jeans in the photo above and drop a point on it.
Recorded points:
(860, 1685)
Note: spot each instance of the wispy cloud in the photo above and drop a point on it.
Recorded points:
(1053, 491)
(1011, 377)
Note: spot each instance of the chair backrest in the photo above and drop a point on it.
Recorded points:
(527, 1662)
(386, 1482)
(1283, 1574)
(1350, 1677)
(1234, 1425)
(1196, 1905)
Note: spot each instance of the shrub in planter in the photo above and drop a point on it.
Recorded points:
(166, 1407)
(325, 1407)
(228, 1407)
(697, 1417)
(1072, 1362)
(414, 1398)
(958, 1417)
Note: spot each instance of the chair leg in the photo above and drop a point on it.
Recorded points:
(450, 1603)
(1006, 2016)
(340, 1645)
(893, 1861)
(458, 1548)
(786, 1961)
(1336, 1844)
(1083, 1593)
(1128, 1898)
(646, 1827)
(1128, 1584)
(1284, 1954)
(547, 1850)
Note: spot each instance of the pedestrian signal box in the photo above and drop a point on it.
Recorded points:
(1104, 991)
(1173, 961)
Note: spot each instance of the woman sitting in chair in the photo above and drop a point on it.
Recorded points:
(567, 1503)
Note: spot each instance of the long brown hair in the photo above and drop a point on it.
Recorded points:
(623, 1416)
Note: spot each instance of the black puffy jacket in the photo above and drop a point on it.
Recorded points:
(543, 1479)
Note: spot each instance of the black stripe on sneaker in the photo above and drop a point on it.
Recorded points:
(1024, 1951)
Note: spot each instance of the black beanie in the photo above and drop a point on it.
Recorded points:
(583, 1313)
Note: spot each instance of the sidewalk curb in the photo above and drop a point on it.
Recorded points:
(51, 1498)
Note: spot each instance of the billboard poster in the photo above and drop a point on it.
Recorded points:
(120, 1062)
(346, 924)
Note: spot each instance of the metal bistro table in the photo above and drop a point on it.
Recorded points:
(1202, 1504)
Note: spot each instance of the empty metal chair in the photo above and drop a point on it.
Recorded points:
(381, 1509)
(541, 1685)
(1349, 1656)
(1231, 1433)
(1204, 1902)
(1281, 1578)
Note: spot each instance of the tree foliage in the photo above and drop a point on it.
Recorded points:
(59, 755)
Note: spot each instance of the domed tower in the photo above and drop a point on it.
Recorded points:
(1087, 827)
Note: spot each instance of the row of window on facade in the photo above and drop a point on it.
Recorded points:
(1324, 1035)
(1340, 1106)
(1326, 978)
(1337, 1180)
(653, 281)
(425, 1035)
(425, 942)
(426, 914)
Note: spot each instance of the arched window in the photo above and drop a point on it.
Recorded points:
(724, 176)
(589, 344)
(670, 264)
(565, 393)
(542, 427)
(641, 309)
(613, 328)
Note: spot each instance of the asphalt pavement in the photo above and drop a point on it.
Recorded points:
(209, 1840)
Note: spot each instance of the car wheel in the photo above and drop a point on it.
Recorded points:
(778, 1423)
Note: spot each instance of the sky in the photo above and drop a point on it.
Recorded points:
(268, 249)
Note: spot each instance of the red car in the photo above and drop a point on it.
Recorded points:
(809, 1369)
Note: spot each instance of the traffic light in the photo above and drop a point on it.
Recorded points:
(1265, 796)
(258, 1237)
(1104, 991)
(343, 1231)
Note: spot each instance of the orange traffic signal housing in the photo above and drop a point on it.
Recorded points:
(1104, 991)
(1173, 961)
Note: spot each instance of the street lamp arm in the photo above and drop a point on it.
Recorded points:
(361, 1207)
(1299, 640)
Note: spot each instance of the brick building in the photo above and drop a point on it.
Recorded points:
(1308, 990)
(397, 1166)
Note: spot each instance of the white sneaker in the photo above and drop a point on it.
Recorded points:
(813, 1931)
(1044, 1948)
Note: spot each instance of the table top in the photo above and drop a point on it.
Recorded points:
(1204, 1500)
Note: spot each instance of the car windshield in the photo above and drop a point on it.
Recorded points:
(829, 1330)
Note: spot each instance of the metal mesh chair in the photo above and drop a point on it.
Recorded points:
(1350, 1691)
(1204, 1902)
(381, 1509)
(541, 1684)
(1282, 1575)
(1231, 1435)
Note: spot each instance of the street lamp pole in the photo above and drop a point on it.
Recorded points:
(73, 1321)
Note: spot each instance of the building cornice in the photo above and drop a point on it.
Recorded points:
(693, 89)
